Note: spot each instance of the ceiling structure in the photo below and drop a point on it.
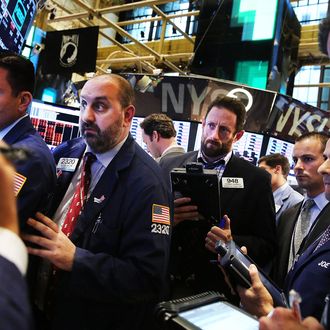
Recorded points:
(151, 57)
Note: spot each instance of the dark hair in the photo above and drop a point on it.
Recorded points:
(160, 123)
(20, 70)
(322, 137)
(126, 91)
(233, 105)
(324, 29)
(276, 159)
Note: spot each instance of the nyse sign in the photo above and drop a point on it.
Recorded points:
(187, 98)
(293, 118)
(176, 99)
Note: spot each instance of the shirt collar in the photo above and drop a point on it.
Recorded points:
(320, 200)
(5, 130)
(278, 192)
(106, 157)
(225, 158)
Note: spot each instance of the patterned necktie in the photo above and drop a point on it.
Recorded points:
(324, 238)
(303, 223)
(211, 166)
(80, 195)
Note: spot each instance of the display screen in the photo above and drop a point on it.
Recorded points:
(182, 132)
(219, 315)
(59, 123)
(16, 17)
(249, 147)
(284, 148)
(55, 123)
(256, 17)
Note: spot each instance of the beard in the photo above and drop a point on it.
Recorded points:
(215, 149)
(101, 141)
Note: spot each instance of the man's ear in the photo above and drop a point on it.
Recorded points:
(129, 113)
(25, 98)
(238, 135)
(278, 169)
(155, 136)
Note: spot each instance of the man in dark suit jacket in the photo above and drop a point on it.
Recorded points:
(38, 171)
(308, 156)
(248, 202)
(112, 268)
(310, 274)
(14, 305)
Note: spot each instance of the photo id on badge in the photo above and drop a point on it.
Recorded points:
(67, 164)
(236, 183)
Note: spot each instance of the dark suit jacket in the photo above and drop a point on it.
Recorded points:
(14, 305)
(285, 229)
(120, 265)
(39, 170)
(252, 213)
(311, 278)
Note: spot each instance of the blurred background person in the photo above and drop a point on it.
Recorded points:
(159, 135)
(285, 196)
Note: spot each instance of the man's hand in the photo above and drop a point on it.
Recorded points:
(256, 300)
(182, 211)
(8, 218)
(285, 319)
(216, 234)
(55, 246)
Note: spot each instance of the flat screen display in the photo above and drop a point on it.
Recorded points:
(219, 315)
(55, 123)
(285, 148)
(16, 17)
(249, 147)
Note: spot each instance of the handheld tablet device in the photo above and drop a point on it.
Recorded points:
(237, 264)
(202, 186)
(207, 311)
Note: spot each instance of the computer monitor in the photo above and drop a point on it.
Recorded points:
(285, 148)
(249, 146)
(16, 17)
(55, 123)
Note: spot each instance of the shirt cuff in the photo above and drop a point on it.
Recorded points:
(13, 249)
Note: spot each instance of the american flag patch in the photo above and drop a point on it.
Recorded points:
(160, 214)
(19, 181)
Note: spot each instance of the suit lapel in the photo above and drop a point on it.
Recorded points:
(304, 260)
(285, 230)
(321, 224)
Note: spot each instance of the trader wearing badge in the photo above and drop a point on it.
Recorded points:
(109, 244)
(245, 196)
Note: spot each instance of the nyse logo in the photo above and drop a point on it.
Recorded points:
(324, 264)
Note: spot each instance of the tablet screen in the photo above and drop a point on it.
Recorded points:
(219, 315)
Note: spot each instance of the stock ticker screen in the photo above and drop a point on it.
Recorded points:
(249, 147)
(16, 17)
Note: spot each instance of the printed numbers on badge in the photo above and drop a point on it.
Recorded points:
(158, 228)
(236, 183)
(67, 164)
